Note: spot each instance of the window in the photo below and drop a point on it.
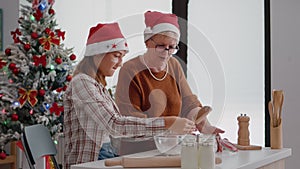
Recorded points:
(226, 62)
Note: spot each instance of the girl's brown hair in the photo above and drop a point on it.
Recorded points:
(88, 67)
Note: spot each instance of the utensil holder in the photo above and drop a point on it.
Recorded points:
(276, 136)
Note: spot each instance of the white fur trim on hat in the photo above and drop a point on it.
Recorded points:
(106, 46)
(162, 27)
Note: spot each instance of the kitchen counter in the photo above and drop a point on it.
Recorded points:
(251, 159)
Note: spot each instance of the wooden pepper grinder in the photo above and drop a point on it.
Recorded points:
(243, 132)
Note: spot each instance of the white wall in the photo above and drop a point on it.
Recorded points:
(285, 51)
(226, 62)
(10, 19)
(78, 18)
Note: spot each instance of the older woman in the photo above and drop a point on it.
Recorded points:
(90, 114)
(153, 84)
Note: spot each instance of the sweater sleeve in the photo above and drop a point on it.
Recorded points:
(189, 100)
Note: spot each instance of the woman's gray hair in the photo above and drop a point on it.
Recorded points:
(165, 33)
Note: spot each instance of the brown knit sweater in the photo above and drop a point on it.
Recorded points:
(138, 92)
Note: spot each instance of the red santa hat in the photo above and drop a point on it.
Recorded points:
(105, 38)
(157, 22)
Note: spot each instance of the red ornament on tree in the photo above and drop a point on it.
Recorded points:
(42, 92)
(14, 117)
(59, 89)
(69, 78)
(51, 11)
(58, 60)
(72, 57)
(8, 51)
(27, 47)
(34, 35)
(48, 31)
(2, 155)
(12, 66)
(65, 88)
(2, 63)
(16, 71)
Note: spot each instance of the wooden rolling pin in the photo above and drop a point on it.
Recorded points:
(202, 114)
(156, 161)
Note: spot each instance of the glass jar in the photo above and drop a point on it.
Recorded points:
(189, 153)
(206, 152)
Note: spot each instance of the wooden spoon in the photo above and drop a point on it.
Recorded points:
(270, 106)
(280, 108)
(277, 98)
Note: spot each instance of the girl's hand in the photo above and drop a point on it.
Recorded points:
(179, 125)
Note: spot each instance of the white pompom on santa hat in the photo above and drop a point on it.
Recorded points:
(157, 22)
(105, 38)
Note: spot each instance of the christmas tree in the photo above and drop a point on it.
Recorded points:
(34, 73)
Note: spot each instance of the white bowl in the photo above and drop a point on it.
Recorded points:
(168, 144)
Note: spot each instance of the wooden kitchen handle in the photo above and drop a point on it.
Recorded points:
(277, 105)
(156, 161)
(111, 162)
(276, 136)
(202, 114)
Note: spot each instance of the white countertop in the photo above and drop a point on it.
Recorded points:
(240, 160)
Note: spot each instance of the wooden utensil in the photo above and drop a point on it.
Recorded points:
(270, 106)
(202, 114)
(276, 126)
(277, 98)
(148, 162)
(156, 161)
(275, 107)
(282, 98)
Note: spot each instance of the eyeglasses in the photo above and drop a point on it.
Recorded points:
(162, 48)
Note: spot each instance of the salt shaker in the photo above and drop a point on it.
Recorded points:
(206, 152)
(189, 153)
(243, 132)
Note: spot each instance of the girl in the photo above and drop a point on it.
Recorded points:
(90, 114)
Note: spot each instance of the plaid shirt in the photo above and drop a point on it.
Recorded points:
(89, 114)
